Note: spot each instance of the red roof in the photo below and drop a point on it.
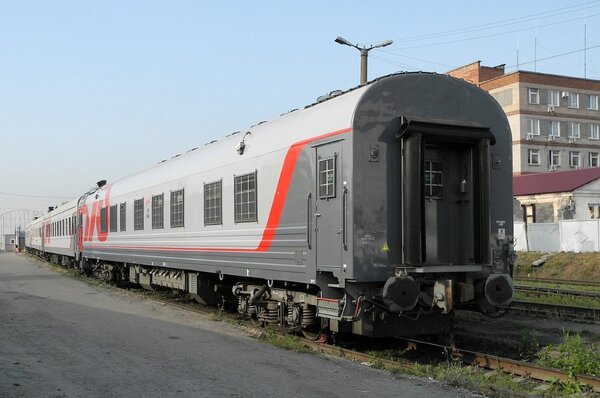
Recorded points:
(555, 181)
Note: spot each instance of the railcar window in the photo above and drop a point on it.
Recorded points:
(138, 214)
(434, 186)
(213, 203)
(327, 178)
(122, 223)
(177, 209)
(245, 198)
(158, 213)
(103, 217)
(113, 218)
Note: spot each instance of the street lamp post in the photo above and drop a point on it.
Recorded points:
(364, 54)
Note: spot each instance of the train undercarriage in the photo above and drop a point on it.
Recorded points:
(403, 306)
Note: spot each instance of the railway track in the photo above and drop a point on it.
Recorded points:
(573, 282)
(556, 311)
(544, 290)
(471, 358)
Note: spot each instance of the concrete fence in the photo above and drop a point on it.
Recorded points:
(566, 235)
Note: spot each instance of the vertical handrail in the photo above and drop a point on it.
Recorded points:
(309, 221)
(344, 216)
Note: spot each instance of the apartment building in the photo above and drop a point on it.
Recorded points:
(555, 120)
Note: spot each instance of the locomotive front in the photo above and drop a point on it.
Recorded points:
(432, 204)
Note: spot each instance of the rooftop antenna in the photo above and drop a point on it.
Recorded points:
(535, 48)
(585, 45)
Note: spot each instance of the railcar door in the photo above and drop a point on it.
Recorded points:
(448, 207)
(328, 207)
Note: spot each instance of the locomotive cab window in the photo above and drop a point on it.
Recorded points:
(434, 187)
(327, 178)
(245, 198)
(177, 209)
(138, 214)
(158, 213)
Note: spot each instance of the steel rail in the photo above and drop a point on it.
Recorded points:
(574, 282)
(557, 310)
(556, 291)
(512, 366)
(485, 361)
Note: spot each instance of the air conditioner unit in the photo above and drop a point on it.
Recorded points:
(576, 167)
(565, 94)
(530, 136)
(552, 167)
(551, 108)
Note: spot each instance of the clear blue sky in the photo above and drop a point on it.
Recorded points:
(98, 90)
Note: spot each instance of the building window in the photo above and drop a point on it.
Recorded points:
(554, 158)
(158, 213)
(594, 131)
(573, 128)
(533, 126)
(592, 102)
(573, 100)
(103, 215)
(138, 214)
(434, 183)
(122, 219)
(529, 213)
(534, 95)
(593, 159)
(327, 178)
(245, 198)
(554, 98)
(574, 159)
(212, 203)
(534, 156)
(554, 128)
(177, 209)
(113, 218)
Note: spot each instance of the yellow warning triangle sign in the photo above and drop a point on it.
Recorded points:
(385, 247)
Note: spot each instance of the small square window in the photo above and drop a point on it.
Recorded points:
(594, 132)
(533, 156)
(177, 209)
(158, 213)
(574, 159)
(213, 203)
(534, 95)
(593, 159)
(245, 198)
(327, 177)
(138, 214)
(592, 102)
(573, 101)
(434, 179)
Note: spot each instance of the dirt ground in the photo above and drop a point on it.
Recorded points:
(563, 265)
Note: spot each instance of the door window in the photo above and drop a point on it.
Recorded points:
(434, 188)
(327, 178)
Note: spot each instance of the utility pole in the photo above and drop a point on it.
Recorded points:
(364, 54)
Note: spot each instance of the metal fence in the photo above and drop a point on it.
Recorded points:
(566, 235)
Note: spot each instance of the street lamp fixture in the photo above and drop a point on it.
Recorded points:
(364, 53)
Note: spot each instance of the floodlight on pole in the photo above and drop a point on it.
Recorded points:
(364, 53)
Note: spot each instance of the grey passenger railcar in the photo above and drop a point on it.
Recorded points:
(378, 211)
